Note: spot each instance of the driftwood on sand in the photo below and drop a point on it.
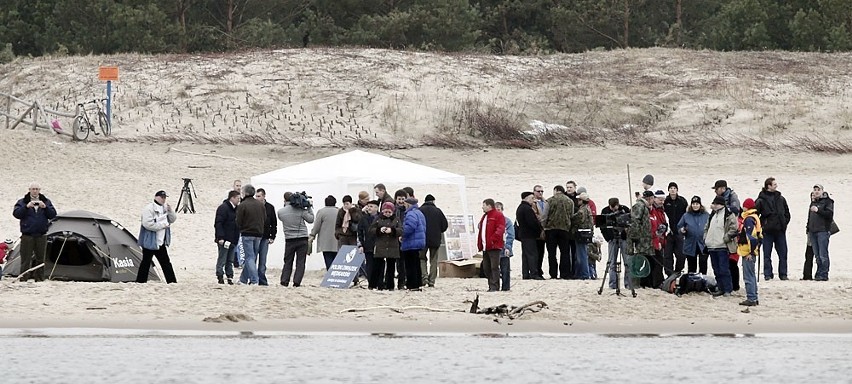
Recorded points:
(505, 310)
(399, 309)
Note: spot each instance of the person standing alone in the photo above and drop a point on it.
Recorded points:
(155, 236)
(774, 218)
(34, 211)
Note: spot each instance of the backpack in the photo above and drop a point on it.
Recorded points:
(692, 282)
(744, 244)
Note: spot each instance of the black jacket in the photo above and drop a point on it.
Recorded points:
(773, 210)
(34, 222)
(436, 224)
(271, 222)
(251, 217)
(226, 223)
(675, 208)
(609, 233)
(529, 227)
(820, 221)
(366, 237)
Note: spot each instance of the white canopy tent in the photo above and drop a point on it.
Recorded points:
(347, 173)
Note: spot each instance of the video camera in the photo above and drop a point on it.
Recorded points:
(300, 200)
(616, 220)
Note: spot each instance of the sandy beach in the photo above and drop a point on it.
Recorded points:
(117, 177)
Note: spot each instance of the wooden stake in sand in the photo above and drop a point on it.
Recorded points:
(205, 154)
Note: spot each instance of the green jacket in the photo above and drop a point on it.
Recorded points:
(560, 209)
(639, 233)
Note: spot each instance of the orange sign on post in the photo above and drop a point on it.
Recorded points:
(108, 73)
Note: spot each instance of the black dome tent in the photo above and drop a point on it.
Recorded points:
(86, 246)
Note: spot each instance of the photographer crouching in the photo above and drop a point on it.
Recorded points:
(296, 213)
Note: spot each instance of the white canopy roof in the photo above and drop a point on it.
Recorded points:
(346, 173)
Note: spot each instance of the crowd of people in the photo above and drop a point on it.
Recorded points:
(400, 237)
(667, 233)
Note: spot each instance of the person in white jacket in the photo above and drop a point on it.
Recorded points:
(155, 237)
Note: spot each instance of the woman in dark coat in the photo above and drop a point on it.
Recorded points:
(388, 229)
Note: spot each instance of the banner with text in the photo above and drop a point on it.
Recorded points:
(344, 268)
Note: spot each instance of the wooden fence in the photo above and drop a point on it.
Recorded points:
(37, 114)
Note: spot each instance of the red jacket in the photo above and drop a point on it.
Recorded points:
(658, 216)
(495, 226)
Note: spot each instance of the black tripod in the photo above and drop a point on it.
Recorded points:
(618, 242)
(186, 192)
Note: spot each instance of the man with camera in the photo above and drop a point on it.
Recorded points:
(616, 219)
(296, 213)
(35, 212)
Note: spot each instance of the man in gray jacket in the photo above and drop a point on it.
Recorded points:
(293, 224)
(323, 231)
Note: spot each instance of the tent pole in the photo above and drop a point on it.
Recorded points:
(465, 212)
(57, 258)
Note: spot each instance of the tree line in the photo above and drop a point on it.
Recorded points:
(41, 27)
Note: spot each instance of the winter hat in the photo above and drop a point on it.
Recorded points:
(647, 194)
(648, 179)
(695, 199)
(719, 200)
(523, 195)
(720, 184)
(673, 184)
(748, 203)
(819, 186)
(388, 206)
(659, 193)
(583, 196)
(429, 198)
(581, 190)
(411, 200)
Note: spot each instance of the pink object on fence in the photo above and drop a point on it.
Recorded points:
(56, 127)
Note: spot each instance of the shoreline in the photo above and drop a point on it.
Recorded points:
(390, 328)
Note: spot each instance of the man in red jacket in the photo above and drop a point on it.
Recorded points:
(490, 242)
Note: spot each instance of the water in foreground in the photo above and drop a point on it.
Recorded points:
(99, 356)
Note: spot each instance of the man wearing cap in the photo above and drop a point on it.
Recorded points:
(529, 230)
(492, 225)
(413, 241)
(436, 225)
(720, 238)
(728, 194)
(820, 217)
(639, 232)
(34, 211)
(675, 206)
(774, 218)
(155, 236)
(557, 228)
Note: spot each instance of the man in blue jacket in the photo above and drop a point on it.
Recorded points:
(34, 211)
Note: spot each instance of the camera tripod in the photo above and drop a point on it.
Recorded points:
(186, 197)
(618, 242)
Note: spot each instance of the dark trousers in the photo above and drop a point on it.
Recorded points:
(162, 256)
(33, 249)
(429, 265)
(691, 264)
(735, 274)
(225, 261)
(570, 270)
(295, 250)
(529, 258)
(413, 277)
(491, 266)
(383, 271)
(702, 262)
(673, 253)
(779, 241)
(369, 263)
(328, 257)
(505, 271)
(808, 269)
(400, 272)
(561, 267)
(655, 278)
(541, 245)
